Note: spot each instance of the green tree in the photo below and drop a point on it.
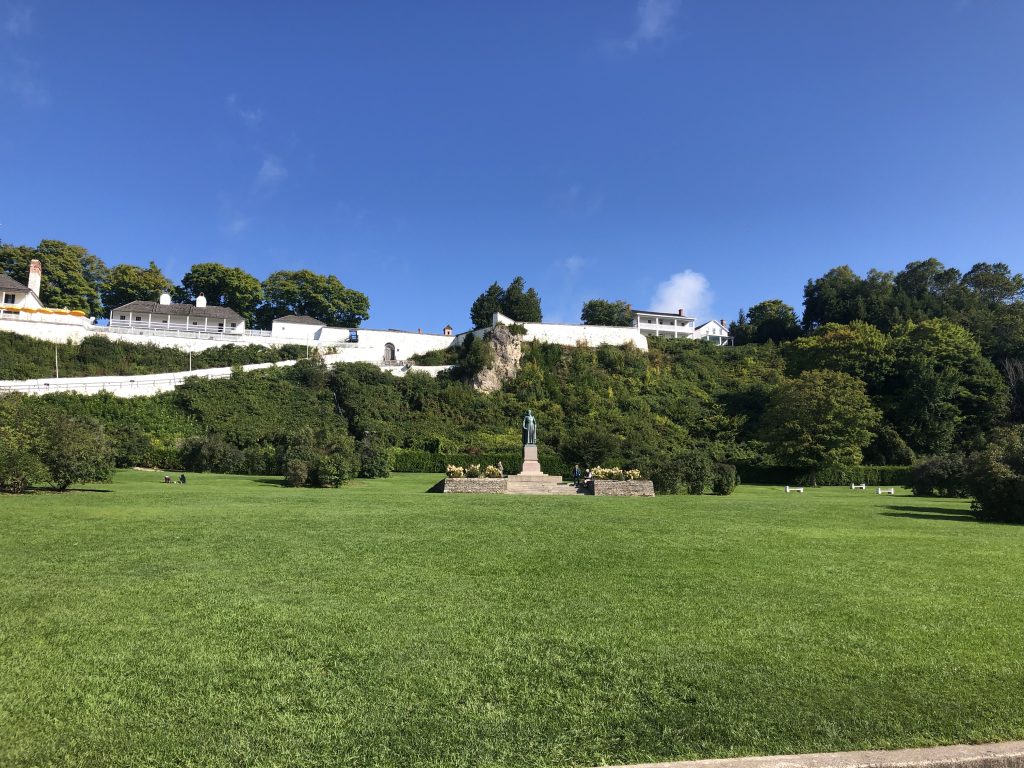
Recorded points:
(486, 304)
(857, 348)
(943, 389)
(128, 282)
(516, 302)
(224, 286)
(602, 312)
(771, 320)
(521, 304)
(820, 419)
(323, 297)
(72, 277)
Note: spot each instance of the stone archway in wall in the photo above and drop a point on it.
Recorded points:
(389, 353)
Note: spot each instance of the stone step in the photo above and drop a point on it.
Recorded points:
(544, 489)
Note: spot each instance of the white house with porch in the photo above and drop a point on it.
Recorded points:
(184, 318)
(679, 325)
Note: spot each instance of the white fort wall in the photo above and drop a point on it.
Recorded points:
(568, 335)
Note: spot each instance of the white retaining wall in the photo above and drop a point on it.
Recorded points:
(151, 384)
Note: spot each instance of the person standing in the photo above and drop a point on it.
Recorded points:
(576, 475)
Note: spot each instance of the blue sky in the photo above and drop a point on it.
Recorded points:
(712, 152)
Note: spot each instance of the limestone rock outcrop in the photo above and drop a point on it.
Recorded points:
(508, 352)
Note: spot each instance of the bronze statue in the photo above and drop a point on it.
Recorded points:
(529, 429)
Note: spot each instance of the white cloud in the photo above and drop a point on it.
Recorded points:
(271, 172)
(653, 22)
(18, 20)
(689, 291)
(573, 265)
(21, 81)
(251, 116)
(236, 225)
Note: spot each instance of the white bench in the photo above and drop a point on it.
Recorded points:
(861, 487)
(890, 491)
(794, 489)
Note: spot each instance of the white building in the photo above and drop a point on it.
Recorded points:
(679, 325)
(185, 318)
(715, 332)
(14, 295)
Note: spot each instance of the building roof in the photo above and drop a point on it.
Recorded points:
(299, 320)
(8, 283)
(188, 310)
(660, 314)
(709, 322)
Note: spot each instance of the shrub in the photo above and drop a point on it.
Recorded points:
(296, 473)
(997, 478)
(940, 476)
(473, 470)
(492, 471)
(454, 471)
(680, 472)
(20, 468)
(75, 452)
(376, 458)
(723, 479)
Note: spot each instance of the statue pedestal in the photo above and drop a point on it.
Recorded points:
(533, 480)
(531, 466)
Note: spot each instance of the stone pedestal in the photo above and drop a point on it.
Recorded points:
(531, 466)
(533, 480)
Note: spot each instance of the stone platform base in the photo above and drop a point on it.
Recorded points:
(472, 485)
(622, 488)
(541, 484)
(1007, 754)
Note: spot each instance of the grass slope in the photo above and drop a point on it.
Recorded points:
(236, 622)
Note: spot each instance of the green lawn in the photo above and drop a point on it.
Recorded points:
(234, 622)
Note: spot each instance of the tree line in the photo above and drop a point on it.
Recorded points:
(77, 279)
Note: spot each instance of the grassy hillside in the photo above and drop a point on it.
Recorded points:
(232, 621)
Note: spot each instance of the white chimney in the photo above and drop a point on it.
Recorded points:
(165, 297)
(201, 300)
(35, 276)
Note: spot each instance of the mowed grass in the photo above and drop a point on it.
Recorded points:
(234, 622)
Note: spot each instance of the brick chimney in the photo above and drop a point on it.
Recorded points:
(681, 312)
(35, 276)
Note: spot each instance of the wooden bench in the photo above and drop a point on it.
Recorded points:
(890, 491)
(794, 489)
(861, 487)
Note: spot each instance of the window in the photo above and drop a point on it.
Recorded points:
(138, 319)
(233, 325)
(123, 317)
(195, 322)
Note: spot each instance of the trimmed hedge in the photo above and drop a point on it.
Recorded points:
(871, 475)
(412, 460)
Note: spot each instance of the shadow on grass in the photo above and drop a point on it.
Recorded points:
(930, 513)
(269, 481)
